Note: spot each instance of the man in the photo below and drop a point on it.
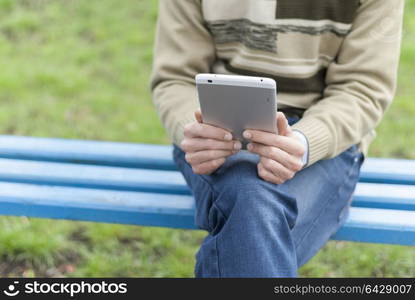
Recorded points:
(268, 210)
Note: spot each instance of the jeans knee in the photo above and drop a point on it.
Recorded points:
(236, 189)
(244, 195)
(234, 182)
(240, 176)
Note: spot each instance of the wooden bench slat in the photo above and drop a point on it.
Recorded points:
(388, 170)
(137, 184)
(87, 152)
(176, 211)
(103, 177)
(395, 171)
(388, 196)
(400, 197)
(385, 226)
(134, 208)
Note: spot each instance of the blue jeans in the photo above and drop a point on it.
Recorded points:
(261, 229)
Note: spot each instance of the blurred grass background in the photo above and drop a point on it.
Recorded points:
(80, 69)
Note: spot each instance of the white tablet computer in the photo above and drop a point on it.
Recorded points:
(237, 103)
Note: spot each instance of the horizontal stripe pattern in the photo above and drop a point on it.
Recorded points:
(310, 23)
(242, 42)
(269, 65)
(264, 36)
(230, 50)
(313, 30)
(312, 84)
(252, 35)
(342, 11)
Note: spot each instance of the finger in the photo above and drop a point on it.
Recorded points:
(208, 167)
(198, 116)
(288, 144)
(195, 158)
(276, 168)
(274, 153)
(267, 175)
(207, 131)
(198, 144)
(282, 123)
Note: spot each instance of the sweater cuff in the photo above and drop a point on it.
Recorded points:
(318, 137)
(305, 143)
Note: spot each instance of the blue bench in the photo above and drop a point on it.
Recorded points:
(138, 184)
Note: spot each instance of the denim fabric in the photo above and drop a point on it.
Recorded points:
(261, 229)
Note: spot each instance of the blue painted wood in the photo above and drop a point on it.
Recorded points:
(400, 197)
(176, 211)
(387, 170)
(376, 170)
(387, 196)
(134, 208)
(385, 226)
(99, 181)
(87, 152)
(104, 177)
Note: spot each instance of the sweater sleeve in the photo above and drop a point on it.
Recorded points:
(183, 48)
(360, 83)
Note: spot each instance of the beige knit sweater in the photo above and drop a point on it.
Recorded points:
(334, 59)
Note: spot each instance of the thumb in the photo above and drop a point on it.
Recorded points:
(198, 116)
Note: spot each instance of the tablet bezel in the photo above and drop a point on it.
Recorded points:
(217, 80)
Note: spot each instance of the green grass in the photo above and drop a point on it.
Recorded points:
(79, 69)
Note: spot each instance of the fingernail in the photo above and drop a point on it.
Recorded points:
(249, 146)
(228, 137)
(237, 146)
(247, 134)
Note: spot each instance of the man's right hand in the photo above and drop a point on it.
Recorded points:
(207, 146)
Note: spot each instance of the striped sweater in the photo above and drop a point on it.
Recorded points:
(334, 61)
